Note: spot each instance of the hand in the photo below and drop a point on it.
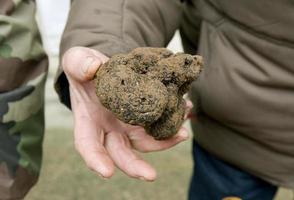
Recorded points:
(102, 140)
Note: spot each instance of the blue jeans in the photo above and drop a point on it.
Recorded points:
(214, 179)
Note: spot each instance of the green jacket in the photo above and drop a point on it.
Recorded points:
(23, 71)
(244, 98)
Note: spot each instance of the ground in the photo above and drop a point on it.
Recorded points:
(65, 177)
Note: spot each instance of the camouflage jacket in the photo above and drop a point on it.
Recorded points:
(23, 68)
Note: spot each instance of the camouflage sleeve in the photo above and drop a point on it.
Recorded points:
(23, 69)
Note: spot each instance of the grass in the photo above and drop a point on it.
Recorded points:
(65, 177)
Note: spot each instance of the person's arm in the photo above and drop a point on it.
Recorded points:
(95, 31)
(112, 27)
(118, 26)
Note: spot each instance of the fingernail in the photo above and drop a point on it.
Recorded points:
(89, 64)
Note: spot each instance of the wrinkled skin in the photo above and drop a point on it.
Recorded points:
(146, 88)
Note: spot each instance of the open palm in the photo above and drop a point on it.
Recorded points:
(102, 140)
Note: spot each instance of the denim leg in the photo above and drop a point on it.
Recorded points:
(214, 179)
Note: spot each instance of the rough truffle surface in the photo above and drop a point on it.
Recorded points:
(146, 88)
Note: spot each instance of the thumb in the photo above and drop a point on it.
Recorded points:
(81, 63)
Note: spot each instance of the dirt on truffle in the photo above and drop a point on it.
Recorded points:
(146, 88)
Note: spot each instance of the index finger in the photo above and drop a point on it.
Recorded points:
(89, 141)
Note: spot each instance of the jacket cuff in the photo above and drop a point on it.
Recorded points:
(61, 86)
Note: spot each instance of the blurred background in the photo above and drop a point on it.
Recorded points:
(64, 175)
